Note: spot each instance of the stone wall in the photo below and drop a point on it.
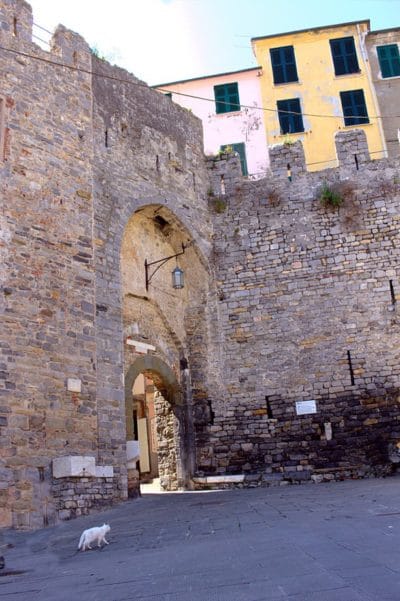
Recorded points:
(167, 425)
(84, 147)
(81, 496)
(47, 269)
(308, 311)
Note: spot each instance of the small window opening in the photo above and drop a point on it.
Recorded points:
(289, 172)
(106, 138)
(194, 181)
(392, 293)
(75, 58)
(270, 415)
(15, 29)
(183, 363)
(350, 367)
(356, 161)
(212, 413)
(222, 184)
(157, 163)
(41, 473)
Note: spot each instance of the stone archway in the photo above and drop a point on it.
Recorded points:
(172, 419)
(169, 323)
(157, 336)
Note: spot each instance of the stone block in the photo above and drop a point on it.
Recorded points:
(74, 465)
(74, 385)
(226, 479)
(104, 471)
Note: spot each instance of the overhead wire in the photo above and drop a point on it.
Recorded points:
(43, 28)
(165, 90)
(40, 39)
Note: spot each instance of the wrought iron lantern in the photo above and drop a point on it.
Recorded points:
(178, 279)
(177, 273)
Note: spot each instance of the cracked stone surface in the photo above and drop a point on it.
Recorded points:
(325, 542)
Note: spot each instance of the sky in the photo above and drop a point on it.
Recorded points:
(162, 41)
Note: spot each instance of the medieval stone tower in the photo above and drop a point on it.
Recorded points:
(278, 360)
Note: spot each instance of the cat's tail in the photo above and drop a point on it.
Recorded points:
(81, 541)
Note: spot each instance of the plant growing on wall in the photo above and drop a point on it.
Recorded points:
(273, 197)
(226, 150)
(330, 197)
(288, 141)
(218, 204)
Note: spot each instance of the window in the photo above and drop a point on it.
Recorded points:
(354, 108)
(389, 60)
(227, 98)
(290, 117)
(240, 148)
(283, 64)
(344, 56)
(168, 94)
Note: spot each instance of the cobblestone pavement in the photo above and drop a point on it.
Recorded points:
(324, 542)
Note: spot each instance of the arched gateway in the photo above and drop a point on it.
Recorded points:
(158, 424)
(157, 320)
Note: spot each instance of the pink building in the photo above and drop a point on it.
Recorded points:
(229, 105)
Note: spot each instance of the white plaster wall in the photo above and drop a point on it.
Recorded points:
(246, 125)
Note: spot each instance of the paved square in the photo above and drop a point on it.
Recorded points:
(325, 542)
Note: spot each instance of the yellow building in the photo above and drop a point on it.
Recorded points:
(316, 82)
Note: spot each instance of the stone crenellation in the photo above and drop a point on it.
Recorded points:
(277, 362)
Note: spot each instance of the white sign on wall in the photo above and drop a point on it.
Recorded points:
(306, 407)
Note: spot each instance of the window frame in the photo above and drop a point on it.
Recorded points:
(240, 148)
(345, 56)
(391, 60)
(285, 113)
(228, 102)
(279, 62)
(355, 120)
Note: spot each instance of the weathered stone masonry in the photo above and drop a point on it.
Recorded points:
(89, 165)
(47, 271)
(303, 290)
(285, 300)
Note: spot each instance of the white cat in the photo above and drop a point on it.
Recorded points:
(91, 535)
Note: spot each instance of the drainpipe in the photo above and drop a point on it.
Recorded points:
(364, 54)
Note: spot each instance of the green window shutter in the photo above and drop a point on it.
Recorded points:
(344, 55)
(240, 148)
(219, 92)
(233, 96)
(354, 107)
(389, 60)
(290, 116)
(283, 64)
(226, 98)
